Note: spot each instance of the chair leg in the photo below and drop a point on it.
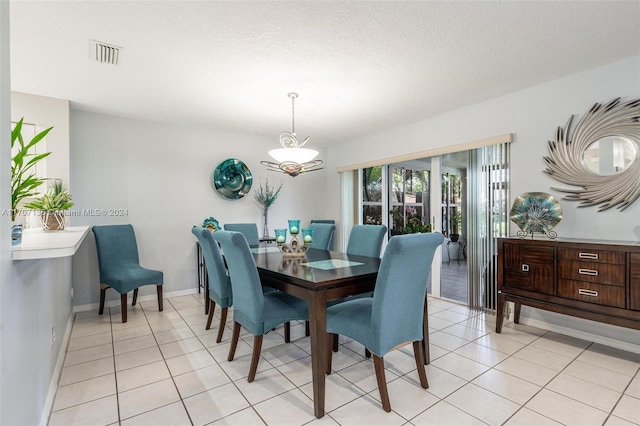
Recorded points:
(334, 343)
(123, 307)
(287, 332)
(212, 306)
(223, 321)
(330, 340)
(367, 353)
(417, 350)
(378, 363)
(103, 290)
(160, 302)
(234, 341)
(135, 297)
(255, 357)
(306, 329)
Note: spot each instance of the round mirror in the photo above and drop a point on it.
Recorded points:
(609, 155)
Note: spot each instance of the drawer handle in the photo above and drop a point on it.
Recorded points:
(586, 292)
(525, 267)
(588, 255)
(588, 272)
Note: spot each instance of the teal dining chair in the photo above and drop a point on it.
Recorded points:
(366, 240)
(219, 284)
(249, 230)
(254, 310)
(119, 265)
(394, 316)
(322, 235)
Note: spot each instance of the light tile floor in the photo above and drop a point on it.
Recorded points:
(163, 368)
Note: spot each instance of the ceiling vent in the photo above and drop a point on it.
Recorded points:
(104, 53)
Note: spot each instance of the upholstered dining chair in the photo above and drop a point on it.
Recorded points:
(219, 284)
(254, 310)
(120, 266)
(366, 240)
(249, 230)
(394, 315)
(322, 235)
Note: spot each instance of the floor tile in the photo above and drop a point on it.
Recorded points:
(526, 417)
(617, 421)
(464, 332)
(90, 330)
(628, 408)
(482, 404)
(169, 415)
(146, 398)
(598, 375)
(462, 367)
(445, 414)
(103, 411)
(526, 370)
(248, 417)
(298, 371)
(201, 380)
(181, 347)
(500, 343)
(510, 387)
(338, 391)
(92, 353)
(544, 358)
(174, 335)
(612, 359)
(442, 383)
(365, 411)
(289, 408)
(88, 370)
(137, 358)
(215, 404)
(446, 341)
(565, 410)
(591, 394)
(140, 376)
(561, 344)
(131, 333)
(85, 391)
(192, 361)
(634, 388)
(89, 341)
(363, 375)
(408, 399)
(266, 385)
(132, 345)
(481, 354)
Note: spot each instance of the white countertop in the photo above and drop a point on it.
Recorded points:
(41, 244)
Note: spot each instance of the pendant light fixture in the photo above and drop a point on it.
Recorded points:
(292, 158)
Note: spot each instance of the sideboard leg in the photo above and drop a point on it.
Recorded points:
(500, 308)
(516, 313)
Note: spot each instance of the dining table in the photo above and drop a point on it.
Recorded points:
(318, 277)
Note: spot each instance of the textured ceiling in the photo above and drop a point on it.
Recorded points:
(359, 67)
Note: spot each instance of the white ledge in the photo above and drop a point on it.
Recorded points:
(41, 244)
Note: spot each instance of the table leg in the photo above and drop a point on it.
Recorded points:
(318, 333)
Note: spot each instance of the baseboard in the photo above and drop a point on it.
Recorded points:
(57, 371)
(614, 343)
(115, 303)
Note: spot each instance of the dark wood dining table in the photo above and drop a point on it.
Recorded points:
(318, 277)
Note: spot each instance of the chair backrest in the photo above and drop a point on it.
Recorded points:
(116, 246)
(401, 287)
(248, 298)
(366, 240)
(322, 235)
(249, 230)
(216, 271)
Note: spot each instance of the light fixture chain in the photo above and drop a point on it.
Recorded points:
(293, 115)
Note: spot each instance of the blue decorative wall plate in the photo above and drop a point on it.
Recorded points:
(536, 212)
(231, 179)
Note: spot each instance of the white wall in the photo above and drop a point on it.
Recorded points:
(532, 115)
(35, 294)
(161, 175)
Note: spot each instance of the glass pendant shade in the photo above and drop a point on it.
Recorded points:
(296, 155)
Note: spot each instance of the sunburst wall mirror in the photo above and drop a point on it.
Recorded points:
(601, 157)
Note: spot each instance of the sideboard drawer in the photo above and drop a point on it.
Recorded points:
(592, 293)
(593, 272)
(589, 255)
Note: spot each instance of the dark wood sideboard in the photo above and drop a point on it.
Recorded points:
(595, 280)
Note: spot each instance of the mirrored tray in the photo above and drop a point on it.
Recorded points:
(536, 212)
(231, 179)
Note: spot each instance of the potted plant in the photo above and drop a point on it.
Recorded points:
(24, 182)
(52, 206)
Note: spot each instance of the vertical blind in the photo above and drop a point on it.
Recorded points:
(487, 221)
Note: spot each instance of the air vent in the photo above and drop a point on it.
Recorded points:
(104, 53)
